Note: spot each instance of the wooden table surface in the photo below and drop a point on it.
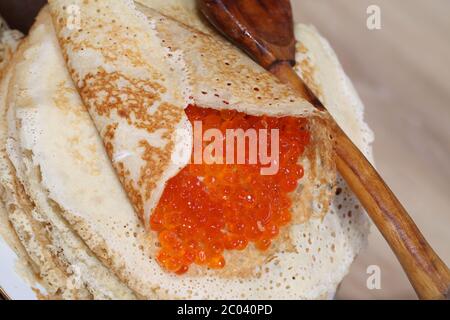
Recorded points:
(403, 76)
(402, 73)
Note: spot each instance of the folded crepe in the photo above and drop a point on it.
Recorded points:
(136, 71)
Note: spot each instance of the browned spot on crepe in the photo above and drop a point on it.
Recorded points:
(308, 72)
(130, 98)
(108, 137)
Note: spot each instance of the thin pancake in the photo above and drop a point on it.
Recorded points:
(28, 104)
(20, 210)
(322, 247)
(111, 69)
(229, 83)
(9, 41)
(157, 49)
(287, 262)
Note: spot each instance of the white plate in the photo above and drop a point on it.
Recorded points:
(12, 285)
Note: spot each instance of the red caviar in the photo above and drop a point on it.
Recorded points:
(207, 209)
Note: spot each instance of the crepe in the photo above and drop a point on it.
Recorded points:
(316, 63)
(50, 242)
(319, 67)
(164, 57)
(19, 211)
(9, 41)
(75, 175)
(18, 228)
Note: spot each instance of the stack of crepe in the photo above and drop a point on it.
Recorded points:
(93, 126)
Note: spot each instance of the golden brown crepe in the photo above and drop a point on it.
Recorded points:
(137, 73)
(154, 66)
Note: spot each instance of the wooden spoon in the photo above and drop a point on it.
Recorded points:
(265, 30)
